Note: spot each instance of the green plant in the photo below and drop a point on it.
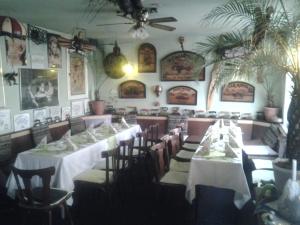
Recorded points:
(267, 36)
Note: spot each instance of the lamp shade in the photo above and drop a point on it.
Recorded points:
(12, 27)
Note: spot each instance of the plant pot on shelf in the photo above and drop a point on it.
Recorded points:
(97, 107)
(271, 114)
(281, 176)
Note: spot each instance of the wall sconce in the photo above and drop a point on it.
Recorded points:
(158, 90)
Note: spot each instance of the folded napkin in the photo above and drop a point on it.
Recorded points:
(124, 123)
(113, 130)
(71, 144)
(91, 135)
(229, 152)
(233, 142)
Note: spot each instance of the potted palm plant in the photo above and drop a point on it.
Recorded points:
(267, 36)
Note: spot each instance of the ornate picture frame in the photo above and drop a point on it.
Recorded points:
(132, 89)
(147, 58)
(238, 91)
(182, 66)
(182, 95)
(77, 76)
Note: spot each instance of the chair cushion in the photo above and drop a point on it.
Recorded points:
(173, 177)
(191, 146)
(55, 194)
(179, 166)
(92, 176)
(259, 150)
(196, 139)
(185, 154)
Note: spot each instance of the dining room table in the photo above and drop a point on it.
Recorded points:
(218, 163)
(71, 155)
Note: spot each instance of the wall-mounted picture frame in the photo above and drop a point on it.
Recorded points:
(54, 51)
(182, 95)
(21, 121)
(38, 88)
(238, 91)
(5, 120)
(77, 76)
(77, 108)
(40, 114)
(55, 112)
(146, 58)
(132, 89)
(15, 51)
(182, 66)
(65, 113)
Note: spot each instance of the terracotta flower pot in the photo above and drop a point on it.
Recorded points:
(97, 107)
(271, 114)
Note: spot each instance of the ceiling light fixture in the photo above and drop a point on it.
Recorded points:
(138, 32)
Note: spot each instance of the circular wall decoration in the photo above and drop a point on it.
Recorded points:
(114, 62)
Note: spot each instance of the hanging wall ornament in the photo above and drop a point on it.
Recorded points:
(12, 28)
(37, 35)
(114, 62)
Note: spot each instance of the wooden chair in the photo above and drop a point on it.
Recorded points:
(77, 125)
(40, 198)
(141, 142)
(153, 134)
(39, 132)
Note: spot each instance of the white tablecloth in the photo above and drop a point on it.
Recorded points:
(67, 165)
(222, 173)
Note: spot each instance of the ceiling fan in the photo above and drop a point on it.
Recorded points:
(139, 15)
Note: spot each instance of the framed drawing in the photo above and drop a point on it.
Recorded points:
(182, 95)
(147, 58)
(21, 121)
(77, 108)
(39, 88)
(5, 123)
(132, 89)
(182, 66)
(238, 92)
(77, 79)
(40, 114)
(55, 113)
(65, 113)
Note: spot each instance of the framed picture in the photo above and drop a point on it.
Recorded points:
(22, 121)
(182, 95)
(39, 88)
(54, 51)
(40, 114)
(65, 113)
(86, 103)
(182, 66)
(55, 112)
(5, 123)
(15, 51)
(132, 89)
(147, 58)
(77, 79)
(77, 108)
(238, 92)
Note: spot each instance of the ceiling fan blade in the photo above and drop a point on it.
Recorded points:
(161, 26)
(111, 24)
(162, 20)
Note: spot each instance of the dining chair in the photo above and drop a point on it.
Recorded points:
(77, 125)
(153, 134)
(40, 132)
(42, 198)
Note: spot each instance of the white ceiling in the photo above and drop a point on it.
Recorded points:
(65, 15)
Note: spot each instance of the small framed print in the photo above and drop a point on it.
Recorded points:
(238, 92)
(77, 108)
(147, 58)
(55, 112)
(21, 121)
(65, 113)
(77, 76)
(182, 95)
(5, 123)
(132, 89)
(40, 114)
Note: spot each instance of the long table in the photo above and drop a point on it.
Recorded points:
(219, 172)
(68, 164)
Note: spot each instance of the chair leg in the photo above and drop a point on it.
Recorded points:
(68, 214)
(49, 217)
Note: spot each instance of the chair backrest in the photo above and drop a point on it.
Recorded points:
(179, 135)
(77, 125)
(142, 141)
(107, 155)
(173, 145)
(124, 154)
(130, 118)
(153, 134)
(25, 188)
(161, 158)
(5, 148)
(39, 132)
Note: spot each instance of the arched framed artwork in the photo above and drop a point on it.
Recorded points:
(147, 58)
(132, 89)
(182, 95)
(182, 66)
(237, 91)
